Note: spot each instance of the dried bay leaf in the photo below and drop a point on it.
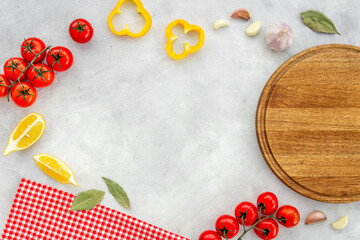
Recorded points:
(118, 193)
(87, 200)
(319, 22)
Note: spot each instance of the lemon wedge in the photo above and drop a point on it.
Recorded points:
(55, 168)
(341, 223)
(26, 133)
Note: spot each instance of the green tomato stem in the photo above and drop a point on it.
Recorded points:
(243, 224)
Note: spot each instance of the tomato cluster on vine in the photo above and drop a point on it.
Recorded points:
(259, 218)
(32, 68)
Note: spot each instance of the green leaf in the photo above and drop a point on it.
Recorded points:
(87, 200)
(317, 21)
(118, 193)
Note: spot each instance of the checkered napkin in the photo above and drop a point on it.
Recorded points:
(39, 212)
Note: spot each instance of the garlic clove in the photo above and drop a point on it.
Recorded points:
(341, 223)
(315, 217)
(242, 13)
(220, 23)
(253, 29)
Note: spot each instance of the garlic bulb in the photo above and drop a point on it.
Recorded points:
(279, 36)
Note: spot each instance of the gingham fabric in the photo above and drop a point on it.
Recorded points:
(40, 212)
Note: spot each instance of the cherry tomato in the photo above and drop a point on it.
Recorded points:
(4, 82)
(81, 30)
(227, 226)
(41, 75)
(209, 235)
(246, 212)
(289, 216)
(34, 44)
(267, 203)
(59, 58)
(269, 227)
(23, 95)
(13, 68)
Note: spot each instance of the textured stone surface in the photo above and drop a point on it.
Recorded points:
(179, 136)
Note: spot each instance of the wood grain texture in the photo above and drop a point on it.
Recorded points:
(308, 123)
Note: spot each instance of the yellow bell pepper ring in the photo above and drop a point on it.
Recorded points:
(126, 30)
(187, 49)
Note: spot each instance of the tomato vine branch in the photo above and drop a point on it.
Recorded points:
(254, 225)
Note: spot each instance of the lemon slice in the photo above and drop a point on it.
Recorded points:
(26, 133)
(341, 223)
(55, 168)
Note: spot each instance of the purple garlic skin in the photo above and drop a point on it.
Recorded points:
(315, 217)
(279, 36)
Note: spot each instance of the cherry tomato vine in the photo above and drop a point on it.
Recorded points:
(23, 71)
(30, 67)
(258, 218)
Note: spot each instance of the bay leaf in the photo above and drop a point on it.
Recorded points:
(87, 200)
(319, 22)
(118, 193)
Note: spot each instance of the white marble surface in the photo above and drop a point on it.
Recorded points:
(179, 136)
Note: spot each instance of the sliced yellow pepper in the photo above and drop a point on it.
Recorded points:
(126, 30)
(187, 49)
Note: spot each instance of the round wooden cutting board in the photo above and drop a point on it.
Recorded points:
(308, 123)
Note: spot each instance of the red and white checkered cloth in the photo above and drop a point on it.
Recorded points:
(39, 212)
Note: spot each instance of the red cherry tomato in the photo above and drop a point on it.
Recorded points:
(41, 75)
(13, 68)
(267, 203)
(81, 30)
(3, 83)
(246, 212)
(59, 58)
(269, 227)
(34, 44)
(227, 226)
(209, 235)
(23, 95)
(289, 216)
